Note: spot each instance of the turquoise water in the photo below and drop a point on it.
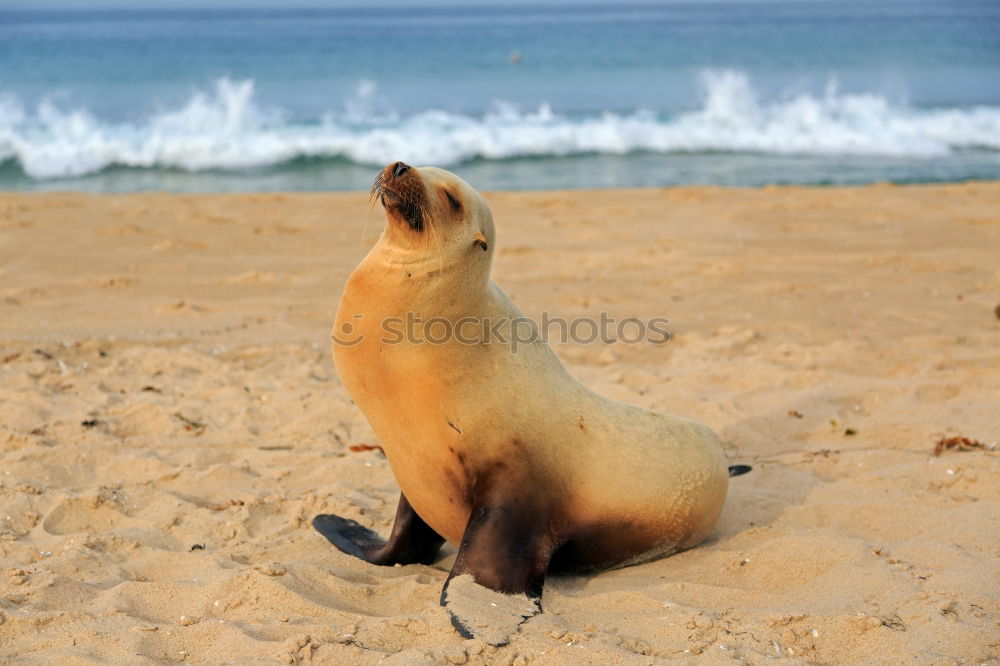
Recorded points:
(745, 92)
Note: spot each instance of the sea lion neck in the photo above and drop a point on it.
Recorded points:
(446, 270)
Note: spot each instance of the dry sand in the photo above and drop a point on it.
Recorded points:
(170, 421)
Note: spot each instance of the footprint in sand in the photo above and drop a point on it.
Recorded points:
(258, 277)
(143, 419)
(183, 306)
(127, 229)
(83, 514)
(937, 392)
(109, 282)
(175, 244)
(278, 229)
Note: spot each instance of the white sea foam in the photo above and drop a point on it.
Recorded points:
(227, 128)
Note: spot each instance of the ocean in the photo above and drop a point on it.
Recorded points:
(741, 92)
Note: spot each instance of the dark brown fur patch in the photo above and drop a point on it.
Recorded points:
(599, 546)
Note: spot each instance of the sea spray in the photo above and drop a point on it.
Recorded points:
(226, 128)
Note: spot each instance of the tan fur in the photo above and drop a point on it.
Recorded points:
(447, 415)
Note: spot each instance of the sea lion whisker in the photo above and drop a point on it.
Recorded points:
(364, 220)
(374, 194)
(376, 190)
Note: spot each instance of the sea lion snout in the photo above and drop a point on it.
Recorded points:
(401, 192)
(398, 169)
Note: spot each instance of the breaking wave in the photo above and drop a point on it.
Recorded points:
(226, 128)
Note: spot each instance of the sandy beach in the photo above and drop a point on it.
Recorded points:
(171, 421)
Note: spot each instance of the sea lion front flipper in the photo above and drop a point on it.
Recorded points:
(412, 540)
(496, 583)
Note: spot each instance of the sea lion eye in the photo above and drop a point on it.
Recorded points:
(455, 205)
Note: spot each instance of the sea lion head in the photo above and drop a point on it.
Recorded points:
(432, 209)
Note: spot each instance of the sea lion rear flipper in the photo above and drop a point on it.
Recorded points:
(496, 583)
(412, 540)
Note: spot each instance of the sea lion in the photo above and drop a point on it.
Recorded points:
(497, 450)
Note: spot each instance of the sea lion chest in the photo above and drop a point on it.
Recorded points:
(414, 395)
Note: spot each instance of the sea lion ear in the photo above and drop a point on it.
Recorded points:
(480, 240)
